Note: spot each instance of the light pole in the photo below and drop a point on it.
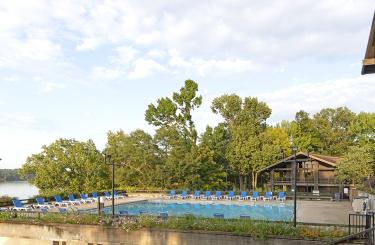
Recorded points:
(294, 148)
(106, 156)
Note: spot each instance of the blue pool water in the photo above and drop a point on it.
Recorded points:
(262, 212)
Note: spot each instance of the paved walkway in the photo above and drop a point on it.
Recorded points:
(326, 212)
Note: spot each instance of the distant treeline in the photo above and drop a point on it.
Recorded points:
(7, 175)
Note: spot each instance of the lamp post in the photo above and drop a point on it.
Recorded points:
(294, 149)
(108, 157)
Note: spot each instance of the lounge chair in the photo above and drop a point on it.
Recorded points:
(118, 196)
(217, 196)
(171, 194)
(123, 213)
(72, 200)
(85, 198)
(281, 197)
(207, 195)
(107, 195)
(63, 210)
(19, 206)
(163, 215)
(230, 196)
(42, 204)
(94, 196)
(254, 196)
(268, 196)
(59, 202)
(184, 195)
(197, 195)
(244, 195)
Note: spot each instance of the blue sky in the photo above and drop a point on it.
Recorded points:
(77, 69)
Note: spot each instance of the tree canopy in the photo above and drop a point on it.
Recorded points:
(227, 155)
(67, 166)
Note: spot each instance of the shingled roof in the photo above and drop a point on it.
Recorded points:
(369, 60)
(330, 160)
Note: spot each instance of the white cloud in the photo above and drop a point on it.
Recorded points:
(144, 68)
(105, 73)
(355, 93)
(212, 66)
(49, 87)
(124, 55)
(17, 120)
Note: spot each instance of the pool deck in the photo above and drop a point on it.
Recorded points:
(323, 212)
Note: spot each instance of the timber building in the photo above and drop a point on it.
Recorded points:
(315, 174)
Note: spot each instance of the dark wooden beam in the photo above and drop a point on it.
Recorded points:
(368, 64)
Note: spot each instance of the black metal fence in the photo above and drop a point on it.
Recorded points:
(358, 223)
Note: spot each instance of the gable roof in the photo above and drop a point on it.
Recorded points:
(369, 61)
(330, 160)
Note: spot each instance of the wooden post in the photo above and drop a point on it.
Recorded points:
(316, 176)
(272, 181)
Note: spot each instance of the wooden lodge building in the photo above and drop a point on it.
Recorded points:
(315, 175)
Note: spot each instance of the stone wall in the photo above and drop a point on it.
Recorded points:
(25, 234)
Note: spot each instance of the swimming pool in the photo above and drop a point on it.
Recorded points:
(274, 212)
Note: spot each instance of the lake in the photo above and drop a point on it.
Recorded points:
(20, 189)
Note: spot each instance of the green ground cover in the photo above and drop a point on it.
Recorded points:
(257, 229)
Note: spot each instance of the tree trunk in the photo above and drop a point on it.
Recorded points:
(240, 179)
(252, 180)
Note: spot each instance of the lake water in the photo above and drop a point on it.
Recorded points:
(20, 189)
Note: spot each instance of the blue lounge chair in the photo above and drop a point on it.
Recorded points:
(72, 200)
(42, 204)
(118, 196)
(124, 213)
(63, 210)
(94, 196)
(197, 195)
(171, 194)
(230, 195)
(19, 206)
(217, 196)
(219, 215)
(255, 196)
(281, 197)
(107, 195)
(59, 202)
(184, 195)
(163, 215)
(268, 196)
(85, 198)
(244, 195)
(207, 195)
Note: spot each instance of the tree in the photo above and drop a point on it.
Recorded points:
(333, 127)
(208, 174)
(67, 166)
(357, 163)
(136, 155)
(176, 112)
(216, 139)
(363, 129)
(274, 143)
(246, 120)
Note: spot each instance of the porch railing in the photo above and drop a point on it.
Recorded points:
(307, 180)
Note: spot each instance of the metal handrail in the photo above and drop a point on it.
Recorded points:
(370, 238)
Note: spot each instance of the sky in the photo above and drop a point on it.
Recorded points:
(77, 69)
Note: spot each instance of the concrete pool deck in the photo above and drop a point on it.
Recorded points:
(324, 212)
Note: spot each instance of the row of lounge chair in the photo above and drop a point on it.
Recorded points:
(59, 202)
(230, 196)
